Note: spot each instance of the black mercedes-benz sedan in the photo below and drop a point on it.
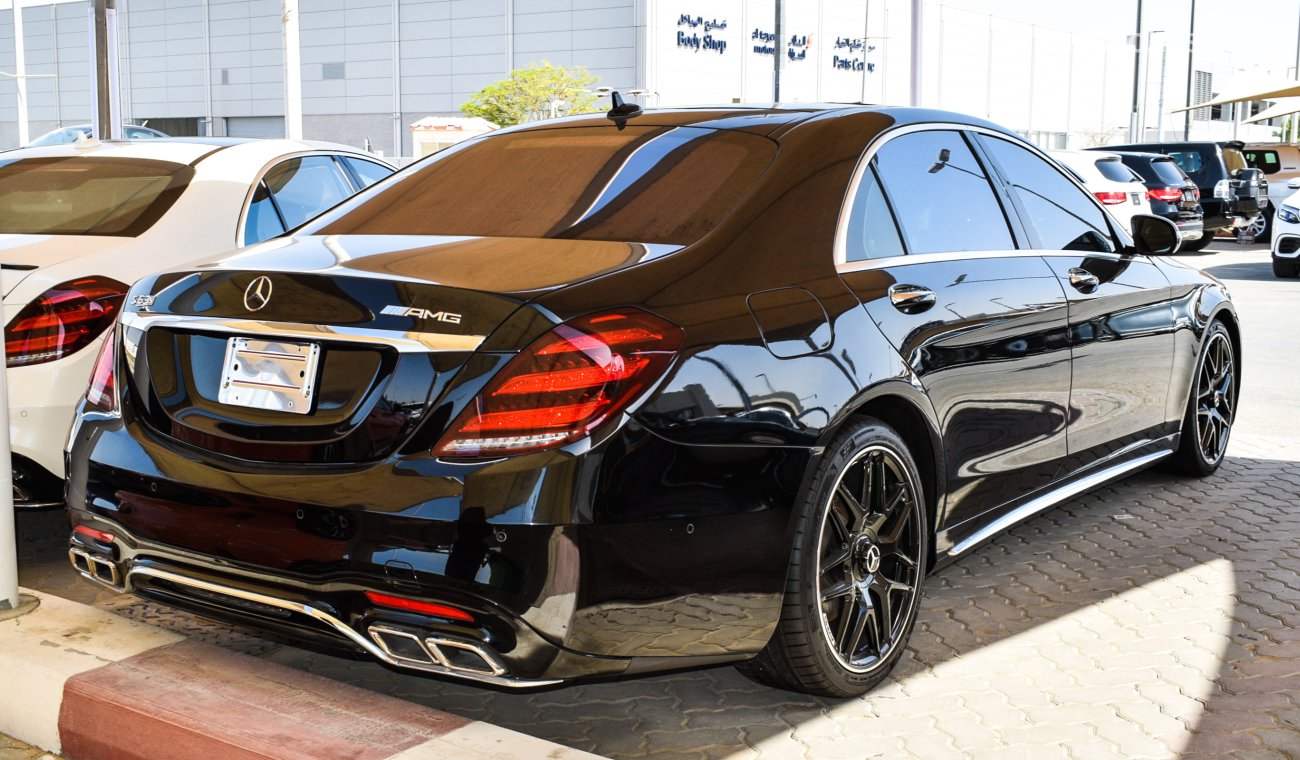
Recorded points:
(620, 393)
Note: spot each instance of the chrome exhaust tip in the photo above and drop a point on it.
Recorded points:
(98, 569)
(455, 655)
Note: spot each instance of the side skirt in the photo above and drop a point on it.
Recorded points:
(1063, 492)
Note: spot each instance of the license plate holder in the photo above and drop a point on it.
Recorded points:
(271, 375)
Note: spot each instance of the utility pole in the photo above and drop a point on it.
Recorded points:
(1160, 104)
(1137, 70)
(106, 124)
(1191, 46)
(1292, 136)
(776, 53)
(916, 53)
(292, 71)
(20, 74)
(1146, 86)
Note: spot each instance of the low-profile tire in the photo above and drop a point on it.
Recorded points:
(1284, 268)
(1200, 243)
(1211, 406)
(856, 570)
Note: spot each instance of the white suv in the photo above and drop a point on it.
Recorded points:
(1120, 189)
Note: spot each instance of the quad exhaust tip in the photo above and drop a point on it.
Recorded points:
(455, 655)
(101, 570)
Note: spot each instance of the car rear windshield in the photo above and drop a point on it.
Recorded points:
(1115, 171)
(87, 195)
(1167, 172)
(1235, 162)
(641, 184)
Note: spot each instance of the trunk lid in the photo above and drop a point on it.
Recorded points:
(20, 255)
(361, 336)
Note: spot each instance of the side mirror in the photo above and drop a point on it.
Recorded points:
(1154, 235)
(1293, 183)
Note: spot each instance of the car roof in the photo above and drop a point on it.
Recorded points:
(1144, 154)
(182, 150)
(762, 118)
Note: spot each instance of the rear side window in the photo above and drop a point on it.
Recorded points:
(639, 184)
(941, 194)
(263, 221)
(304, 187)
(872, 233)
(369, 172)
(87, 195)
(1264, 160)
(1114, 170)
(1168, 172)
(1060, 215)
(1190, 161)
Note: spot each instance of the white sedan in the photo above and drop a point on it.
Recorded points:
(1116, 186)
(80, 223)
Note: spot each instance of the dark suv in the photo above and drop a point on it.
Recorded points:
(1232, 193)
(1171, 192)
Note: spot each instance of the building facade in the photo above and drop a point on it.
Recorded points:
(371, 68)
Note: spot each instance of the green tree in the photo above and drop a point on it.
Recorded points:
(541, 91)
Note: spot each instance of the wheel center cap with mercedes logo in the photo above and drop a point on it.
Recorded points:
(258, 293)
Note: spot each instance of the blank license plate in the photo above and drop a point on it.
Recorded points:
(274, 375)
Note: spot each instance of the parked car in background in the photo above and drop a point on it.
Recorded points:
(1286, 233)
(78, 224)
(726, 391)
(1233, 194)
(1115, 185)
(1172, 193)
(1280, 163)
(68, 135)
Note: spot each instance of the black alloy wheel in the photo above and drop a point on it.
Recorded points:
(1212, 406)
(1262, 226)
(856, 572)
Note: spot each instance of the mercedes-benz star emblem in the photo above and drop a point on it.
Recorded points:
(873, 558)
(258, 293)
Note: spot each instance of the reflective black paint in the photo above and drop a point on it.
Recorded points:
(663, 538)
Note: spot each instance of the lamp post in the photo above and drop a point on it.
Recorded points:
(1136, 40)
(1146, 85)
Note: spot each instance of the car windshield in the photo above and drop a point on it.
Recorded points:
(85, 195)
(1188, 160)
(637, 184)
(58, 137)
(1167, 172)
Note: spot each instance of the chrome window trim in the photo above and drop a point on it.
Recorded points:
(842, 264)
(403, 342)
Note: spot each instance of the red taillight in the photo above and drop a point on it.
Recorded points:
(102, 393)
(63, 320)
(414, 605)
(1111, 197)
(564, 384)
(1166, 194)
(1196, 193)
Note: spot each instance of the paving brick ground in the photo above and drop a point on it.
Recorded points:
(1155, 618)
(12, 749)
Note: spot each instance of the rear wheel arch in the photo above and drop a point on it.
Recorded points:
(900, 405)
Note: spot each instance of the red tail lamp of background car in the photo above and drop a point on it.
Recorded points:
(1111, 197)
(1166, 194)
(62, 320)
(565, 384)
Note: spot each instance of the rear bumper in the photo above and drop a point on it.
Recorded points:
(664, 570)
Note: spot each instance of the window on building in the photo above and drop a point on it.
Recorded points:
(1202, 90)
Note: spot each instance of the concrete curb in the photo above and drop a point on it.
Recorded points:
(88, 684)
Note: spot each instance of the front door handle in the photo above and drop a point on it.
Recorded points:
(1083, 281)
(911, 299)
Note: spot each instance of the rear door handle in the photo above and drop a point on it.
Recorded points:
(911, 299)
(1082, 280)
